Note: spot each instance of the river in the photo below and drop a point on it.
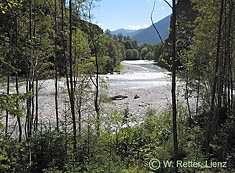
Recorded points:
(144, 85)
(138, 74)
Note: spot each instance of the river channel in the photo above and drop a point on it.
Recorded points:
(145, 85)
(138, 74)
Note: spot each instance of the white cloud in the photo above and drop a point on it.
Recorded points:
(136, 27)
(163, 8)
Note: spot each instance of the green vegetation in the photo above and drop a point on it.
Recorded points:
(43, 39)
(133, 51)
(121, 147)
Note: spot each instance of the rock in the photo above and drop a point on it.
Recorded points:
(142, 105)
(118, 97)
(136, 96)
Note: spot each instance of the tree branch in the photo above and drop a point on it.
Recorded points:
(168, 4)
(159, 35)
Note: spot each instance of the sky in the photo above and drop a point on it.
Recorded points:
(128, 14)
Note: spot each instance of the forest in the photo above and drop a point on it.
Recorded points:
(56, 41)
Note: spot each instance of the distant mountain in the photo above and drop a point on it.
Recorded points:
(124, 32)
(148, 35)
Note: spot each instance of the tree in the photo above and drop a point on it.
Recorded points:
(71, 88)
(108, 33)
(56, 67)
(214, 117)
(158, 51)
(173, 90)
(95, 35)
(143, 52)
(132, 54)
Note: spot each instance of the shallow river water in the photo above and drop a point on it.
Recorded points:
(140, 75)
(145, 85)
(149, 82)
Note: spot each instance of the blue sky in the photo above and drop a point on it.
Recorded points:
(128, 14)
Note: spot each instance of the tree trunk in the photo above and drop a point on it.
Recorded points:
(213, 119)
(97, 109)
(174, 109)
(29, 100)
(71, 94)
(7, 112)
(96, 81)
(230, 66)
(187, 93)
(17, 106)
(36, 107)
(198, 95)
(17, 83)
(56, 71)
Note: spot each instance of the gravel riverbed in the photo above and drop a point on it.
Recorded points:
(142, 84)
(144, 89)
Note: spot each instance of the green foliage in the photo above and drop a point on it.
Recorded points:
(158, 50)
(132, 54)
(125, 145)
(3, 160)
(4, 6)
(13, 156)
(133, 169)
(10, 103)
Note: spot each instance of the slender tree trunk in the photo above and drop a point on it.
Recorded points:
(56, 71)
(17, 106)
(79, 104)
(96, 83)
(231, 62)
(17, 83)
(34, 75)
(29, 79)
(89, 140)
(187, 93)
(32, 104)
(36, 106)
(7, 112)
(71, 78)
(198, 95)
(27, 108)
(174, 109)
(213, 117)
(97, 109)
(230, 68)
(29, 83)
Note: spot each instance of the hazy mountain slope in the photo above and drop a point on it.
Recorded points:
(124, 32)
(147, 35)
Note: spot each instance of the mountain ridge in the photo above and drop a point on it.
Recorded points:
(148, 35)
